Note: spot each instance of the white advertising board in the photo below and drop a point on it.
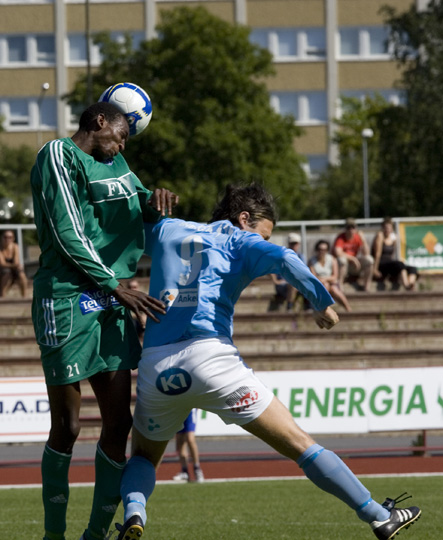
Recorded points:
(24, 409)
(351, 401)
(321, 402)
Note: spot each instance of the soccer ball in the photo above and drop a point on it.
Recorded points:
(133, 102)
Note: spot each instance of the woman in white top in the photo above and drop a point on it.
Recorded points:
(325, 267)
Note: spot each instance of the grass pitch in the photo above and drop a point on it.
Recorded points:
(271, 510)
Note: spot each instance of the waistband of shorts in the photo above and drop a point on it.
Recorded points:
(180, 345)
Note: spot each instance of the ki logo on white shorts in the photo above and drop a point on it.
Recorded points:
(173, 381)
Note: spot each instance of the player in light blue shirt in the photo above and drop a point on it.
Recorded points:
(189, 360)
(201, 270)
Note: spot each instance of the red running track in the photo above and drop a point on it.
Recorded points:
(254, 468)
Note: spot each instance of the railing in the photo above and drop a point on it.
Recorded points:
(302, 225)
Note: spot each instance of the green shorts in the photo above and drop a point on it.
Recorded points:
(83, 335)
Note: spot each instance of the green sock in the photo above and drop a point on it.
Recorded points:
(108, 474)
(55, 492)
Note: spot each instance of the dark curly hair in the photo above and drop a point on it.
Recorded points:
(89, 115)
(252, 198)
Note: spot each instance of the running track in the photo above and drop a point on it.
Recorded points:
(16, 474)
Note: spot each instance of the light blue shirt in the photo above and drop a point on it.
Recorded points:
(199, 272)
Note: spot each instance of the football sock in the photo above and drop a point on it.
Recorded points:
(55, 492)
(328, 472)
(137, 485)
(108, 475)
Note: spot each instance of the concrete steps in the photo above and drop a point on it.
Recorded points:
(378, 302)
(385, 329)
(355, 321)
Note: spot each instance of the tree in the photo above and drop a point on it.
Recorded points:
(405, 167)
(212, 121)
(15, 167)
(340, 188)
(413, 168)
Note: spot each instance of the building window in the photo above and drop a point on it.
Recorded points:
(16, 47)
(73, 113)
(316, 165)
(349, 42)
(291, 44)
(392, 96)
(25, 2)
(45, 49)
(308, 108)
(30, 50)
(378, 41)
(47, 114)
(368, 42)
(18, 113)
(28, 114)
(77, 54)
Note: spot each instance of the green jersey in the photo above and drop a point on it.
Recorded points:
(89, 220)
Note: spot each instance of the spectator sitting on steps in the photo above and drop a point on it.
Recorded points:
(324, 266)
(352, 252)
(385, 262)
(11, 271)
(284, 292)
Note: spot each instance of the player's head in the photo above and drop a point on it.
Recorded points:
(7, 237)
(248, 207)
(252, 198)
(110, 113)
(106, 130)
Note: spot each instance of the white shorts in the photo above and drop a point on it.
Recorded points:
(207, 374)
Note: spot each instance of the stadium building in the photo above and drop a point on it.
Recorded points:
(322, 49)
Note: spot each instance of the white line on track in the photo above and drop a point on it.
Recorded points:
(224, 480)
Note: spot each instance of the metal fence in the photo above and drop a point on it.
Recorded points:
(310, 231)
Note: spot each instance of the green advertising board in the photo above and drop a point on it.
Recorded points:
(421, 245)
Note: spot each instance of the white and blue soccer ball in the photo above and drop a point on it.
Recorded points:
(133, 102)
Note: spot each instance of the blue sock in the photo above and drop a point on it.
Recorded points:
(328, 472)
(137, 485)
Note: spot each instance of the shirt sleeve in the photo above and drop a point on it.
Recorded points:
(52, 181)
(339, 242)
(151, 235)
(265, 258)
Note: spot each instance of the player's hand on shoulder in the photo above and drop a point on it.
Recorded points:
(327, 318)
(163, 201)
(139, 302)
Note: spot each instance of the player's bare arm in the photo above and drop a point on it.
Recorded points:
(139, 302)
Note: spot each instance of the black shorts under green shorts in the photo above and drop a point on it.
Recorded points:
(83, 335)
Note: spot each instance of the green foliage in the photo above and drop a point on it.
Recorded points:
(212, 121)
(15, 168)
(276, 510)
(413, 135)
(405, 165)
(341, 186)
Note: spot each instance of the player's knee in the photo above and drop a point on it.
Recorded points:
(63, 436)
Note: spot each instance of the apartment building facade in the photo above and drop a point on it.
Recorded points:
(322, 49)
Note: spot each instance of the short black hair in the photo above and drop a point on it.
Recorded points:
(320, 242)
(109, 111)
(252, 198)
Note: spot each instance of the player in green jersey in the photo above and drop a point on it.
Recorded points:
(89, 211)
